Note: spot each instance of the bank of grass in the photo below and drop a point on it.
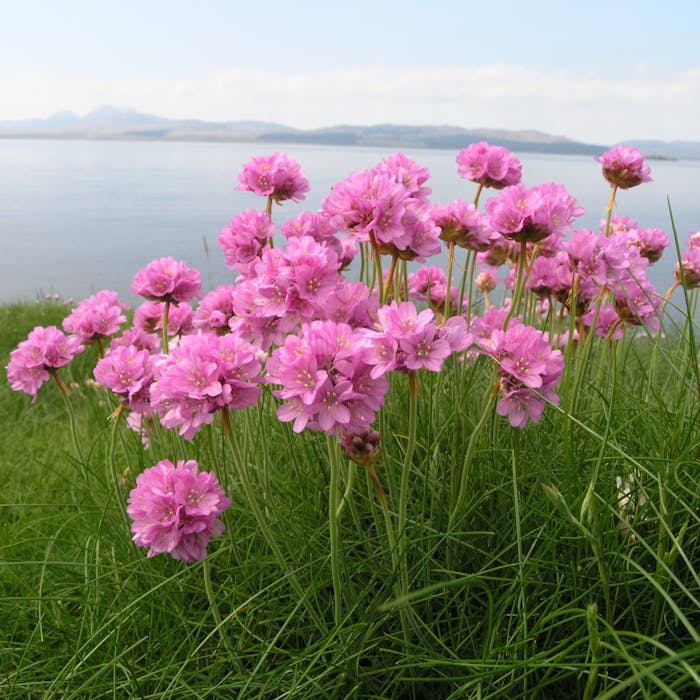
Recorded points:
(548, 586)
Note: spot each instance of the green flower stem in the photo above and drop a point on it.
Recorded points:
(164, 325)
(469, 269)
(450, 265)
(390, 280)
(405, 478)
(65, 393)
(334, 530)
(206, 571)
(479, 190)
(260, 518)
(519, 283)
(609, 209)
(348, 489)
(378, 277)
(460, 486)
(515, 461)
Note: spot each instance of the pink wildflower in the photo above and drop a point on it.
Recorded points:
(276, 176)
(43, 352)
(531, 215)
(624, 167)
(244, 239)
(176, 509)
(490, 166)
(202, 375)
(166, 279)
(149, 318)
(462, 224)
(99, 316)
(325, 383)
(215, 310)
(690, 262)
(127, 372)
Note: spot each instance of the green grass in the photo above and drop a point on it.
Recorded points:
(541, 589)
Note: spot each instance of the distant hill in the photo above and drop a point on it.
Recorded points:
(119, 124)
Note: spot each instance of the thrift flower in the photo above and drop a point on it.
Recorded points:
(166, 279)
(624, 167)
(99, 316)
(175, 508)
(43, 352)
(276, 176)
(202, 375)
(490, 166)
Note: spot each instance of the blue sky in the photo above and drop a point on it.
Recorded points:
(598, 71)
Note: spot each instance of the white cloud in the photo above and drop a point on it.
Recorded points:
(590, 107)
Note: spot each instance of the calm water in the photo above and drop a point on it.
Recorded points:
(80, 216)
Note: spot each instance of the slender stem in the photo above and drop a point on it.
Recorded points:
(460, 497)
(352, 469)
(479, 189)
(376, 256)
(260, 518)
(390, 279)
(517, 292)
(268, 206)
(450, 264)
(65, 393)
(334, 531)
(213, 606)
(515, 434)
(164, 325)
(405, 480)
(609, 209)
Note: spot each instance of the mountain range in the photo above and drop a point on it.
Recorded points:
(119, 124)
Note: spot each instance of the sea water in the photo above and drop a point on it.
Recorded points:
(80, 216)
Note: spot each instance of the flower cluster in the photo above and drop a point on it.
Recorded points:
(490, 166)
(245, 238)
(202, 375)
(99, 316)
(175, 508)
(36, 358)
(533, 214)
(326, 384)
(624, 167)
(406, 340)
(167, 279)
(276, 176)
(527, 366)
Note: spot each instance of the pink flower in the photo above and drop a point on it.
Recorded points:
(34, 359)
(462, 224)
(523, 214)
(243, 241)
(215, 310)
(403, 340)
(490, 166)
(624, 167)
(325, 383)
(166, 279)
(176, 509)
(99, 316)
(128, 372)
(202, 375)
(690, 262)
(149, 318)
(276, 176)
(369, 203)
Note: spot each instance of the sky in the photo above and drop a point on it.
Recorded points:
(599, 71)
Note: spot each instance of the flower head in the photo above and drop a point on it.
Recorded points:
(45, 350)
(276, 176)
(490, 166)
(624, 167)
(166, 279)
(175, 508)
(99, 316)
